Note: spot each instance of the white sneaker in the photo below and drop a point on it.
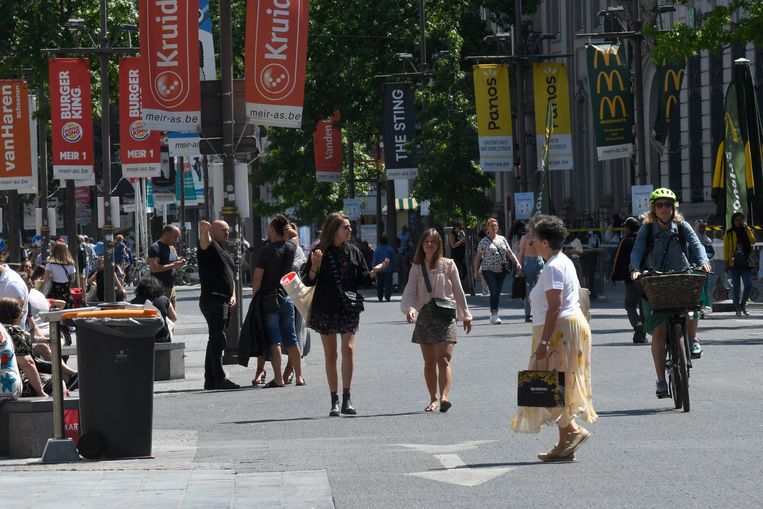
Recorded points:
(495, 319)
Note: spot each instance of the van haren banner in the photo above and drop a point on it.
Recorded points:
(169, 48)
(18, 151)
(399, 131)
(139, 147)
(71, 118)
(275, 58)
(494, 130)
(327, 145)
(550, 84)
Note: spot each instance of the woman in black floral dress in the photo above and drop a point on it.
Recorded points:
(337, 269)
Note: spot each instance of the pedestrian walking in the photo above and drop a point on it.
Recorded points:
(737, 251)
(163, 260)
(531, 263)
(61, 271)
(633, 290)
(303, 334)
(494, 260)
(338, 269)
(561, 341)
(384, 278)
(435, 294)
(218, 297)
(457, 241)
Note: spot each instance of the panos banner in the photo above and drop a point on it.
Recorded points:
(494, 130)
(139, 146)
(18, 158)
(276, 54)
(169, 48)
(71, 118)
(550, 84)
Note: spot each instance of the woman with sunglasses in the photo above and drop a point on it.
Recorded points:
(673, 246)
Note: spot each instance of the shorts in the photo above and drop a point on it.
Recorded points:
(280, 326)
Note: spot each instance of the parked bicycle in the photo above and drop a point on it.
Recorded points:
(140, 270)
(188, 274)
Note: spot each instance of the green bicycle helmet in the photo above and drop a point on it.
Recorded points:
(660, 193)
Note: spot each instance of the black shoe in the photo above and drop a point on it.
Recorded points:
(347, 407)
(334, 406)
(209, 385)
(226, 384)
(528, 318)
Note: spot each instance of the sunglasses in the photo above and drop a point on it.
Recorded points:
(663, 204)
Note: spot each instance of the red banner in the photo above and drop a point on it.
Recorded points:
(327, 142)
(71, 118)
(169, 47)
(139, 146)
(16, 155)
(276, 53)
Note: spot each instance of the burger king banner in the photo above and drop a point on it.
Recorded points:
(276, 53)
(169, 47)
(139, 146)
(18, 160)
(71, 118)
(327, 142)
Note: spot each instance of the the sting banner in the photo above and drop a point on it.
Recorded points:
(399, 131)
(18, 160)
(327, 144)
(491, 91)
(550, 84)
(139, 146)
(169, 48)
(275, 57)
(71, 118)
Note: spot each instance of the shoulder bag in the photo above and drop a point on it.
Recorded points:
(444, 309)
(349, 302)
(544, 389)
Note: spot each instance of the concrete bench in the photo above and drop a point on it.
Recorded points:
(169, 360)
(27, 424)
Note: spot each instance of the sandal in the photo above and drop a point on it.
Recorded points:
(271, 384)
(288, 377)
(431, 407)
(301, 382)
(445, 405)
(259, 377)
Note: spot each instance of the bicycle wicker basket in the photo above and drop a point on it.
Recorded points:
(670, 292)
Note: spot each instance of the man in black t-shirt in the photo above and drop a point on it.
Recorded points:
(163, 260)
(218, 296)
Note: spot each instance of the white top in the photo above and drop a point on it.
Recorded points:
(57, 272)
(494, 253)
(11, 285)
(558, 274)
(38, 303)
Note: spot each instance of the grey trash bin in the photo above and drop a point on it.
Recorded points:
(115, 358)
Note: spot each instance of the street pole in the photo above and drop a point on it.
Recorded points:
(520, 87)
(180, 176)
(14, 227)
(229, 210)
(351, 180)
(42, 197)
(638, 92)
(108, 228)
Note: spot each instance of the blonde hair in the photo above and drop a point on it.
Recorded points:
(649, 216)
(60, 254)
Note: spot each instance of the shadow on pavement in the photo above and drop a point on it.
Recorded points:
(292, 419)
(636, 412)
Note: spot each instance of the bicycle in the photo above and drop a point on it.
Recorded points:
(677, 293)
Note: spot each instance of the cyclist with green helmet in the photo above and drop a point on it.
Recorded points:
(673, 246)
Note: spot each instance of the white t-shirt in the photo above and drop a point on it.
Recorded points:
(38, 303)
(558, 274)
(59, 273)
(11, 285)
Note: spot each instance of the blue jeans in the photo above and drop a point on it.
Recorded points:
(531, 268)
(280, 325)
(384, 285)
(495, 285)
(740, 276)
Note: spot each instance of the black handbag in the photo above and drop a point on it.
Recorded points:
(518, 288)
(742, 261)
(540, 389)
(271, 301)
(349, 302)
(444, 309)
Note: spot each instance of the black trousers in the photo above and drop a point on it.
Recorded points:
(217, 314)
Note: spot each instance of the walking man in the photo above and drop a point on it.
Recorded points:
(633, 289)
(163, 260)
(218, 296)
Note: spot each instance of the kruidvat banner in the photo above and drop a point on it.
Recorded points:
(399, 131)
(275, 58)
(494, 130)
(71, 119)
(169, 48)
(139, 147)
(18, 148)
(327, 145)
(551, 84)
(611, 100)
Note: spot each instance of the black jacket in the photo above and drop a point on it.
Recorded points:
(620, 271)
(253, 341)
(354, 275)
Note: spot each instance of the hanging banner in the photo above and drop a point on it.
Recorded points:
(399, 131)
(71, 118)
(491, 92)
(327, 145)
(197, 173)
(184, 177)
(206, 43)
(542, 202)
(169, 48)
(640, 199)
(184, 144)
(139, 148)
(734, 156)
(551, 84)
(611, 100)
(276, 54)
(18, 157)
(524, 203)
(669, 79)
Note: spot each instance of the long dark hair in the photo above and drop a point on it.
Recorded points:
(279, 223)
(420, 258)
(148, 288)
(333, 222)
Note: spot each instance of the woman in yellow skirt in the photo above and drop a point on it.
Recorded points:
(561, 341)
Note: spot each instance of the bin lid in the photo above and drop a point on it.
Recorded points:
(114, 313)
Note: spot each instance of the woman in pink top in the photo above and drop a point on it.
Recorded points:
(435, 335)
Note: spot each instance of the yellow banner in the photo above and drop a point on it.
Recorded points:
(491, 90)
(551, 84)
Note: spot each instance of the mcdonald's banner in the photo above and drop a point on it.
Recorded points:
(18, 151)
(491, 92)
(551, 84)
(542, 203)
(71, 118)
(275, 58)
(669, 79)
(139, 147)
(169, 48)
(399, 131)
(327, 145)
(611, 100)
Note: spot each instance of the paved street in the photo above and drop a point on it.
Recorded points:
(278, 447)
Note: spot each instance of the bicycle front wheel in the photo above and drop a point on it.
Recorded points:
(682, 366)
(674, 376)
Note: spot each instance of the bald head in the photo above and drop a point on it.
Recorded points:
(220, 231)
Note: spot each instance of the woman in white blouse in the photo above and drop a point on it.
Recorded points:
(60, 271)
(435, 334)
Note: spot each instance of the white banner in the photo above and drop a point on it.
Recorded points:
(640, 198)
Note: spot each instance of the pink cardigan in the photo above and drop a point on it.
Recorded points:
(445, 285)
